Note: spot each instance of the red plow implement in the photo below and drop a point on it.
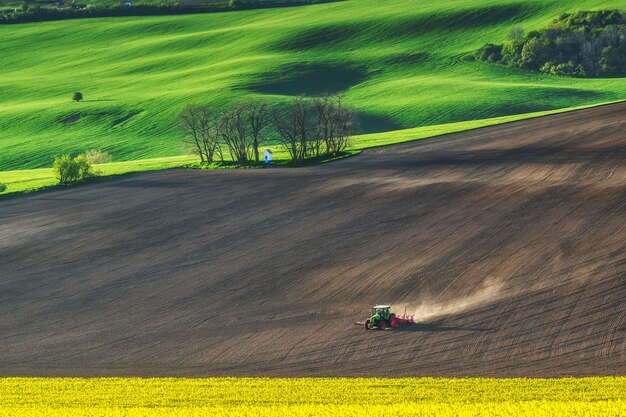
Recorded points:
(405, 319)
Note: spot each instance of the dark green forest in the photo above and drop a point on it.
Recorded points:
(581, 44)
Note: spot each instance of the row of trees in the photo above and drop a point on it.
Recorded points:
(581, 44)
(90, 8)
(305, 128)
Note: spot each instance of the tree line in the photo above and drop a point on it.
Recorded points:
(305, 127)
(28, 13)
(581, 44)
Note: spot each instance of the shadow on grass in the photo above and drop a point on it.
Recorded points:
(310, 79)
(338, 35)
(377, 123)
(280, 163)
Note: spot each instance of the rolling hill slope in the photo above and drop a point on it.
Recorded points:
(508, 243)
(401, 63)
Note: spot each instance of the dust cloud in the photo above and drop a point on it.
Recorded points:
(490, 290)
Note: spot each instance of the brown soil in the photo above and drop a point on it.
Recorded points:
(508, 241)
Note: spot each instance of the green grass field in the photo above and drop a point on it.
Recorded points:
(313, 396)
(401, 63)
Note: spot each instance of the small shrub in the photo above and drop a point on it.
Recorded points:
(489, 53)
(96, 156)
(70, 170)
(2, 188)
(78, 96)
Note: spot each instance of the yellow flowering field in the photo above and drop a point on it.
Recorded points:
(604, 396)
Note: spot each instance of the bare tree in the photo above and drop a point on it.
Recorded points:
(198, 124)
(241, 127)
(287, 129)
(336, 123)
(234, 130)
(326, 123)
(304, 113)
(257, 114)
(345, 125)
(297, 129)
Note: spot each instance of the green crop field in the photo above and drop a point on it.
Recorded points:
(401, 63)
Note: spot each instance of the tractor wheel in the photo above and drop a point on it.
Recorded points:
(382, 325)
(367, 324)
(393, 322)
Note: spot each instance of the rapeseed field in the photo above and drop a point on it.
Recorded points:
(605, 396)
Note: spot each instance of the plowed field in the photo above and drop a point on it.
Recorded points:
(508, 243)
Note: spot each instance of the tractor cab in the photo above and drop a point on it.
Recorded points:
(381, 310)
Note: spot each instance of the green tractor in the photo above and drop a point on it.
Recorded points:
(381, 318)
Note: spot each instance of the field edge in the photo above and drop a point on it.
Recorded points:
(19, 182)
